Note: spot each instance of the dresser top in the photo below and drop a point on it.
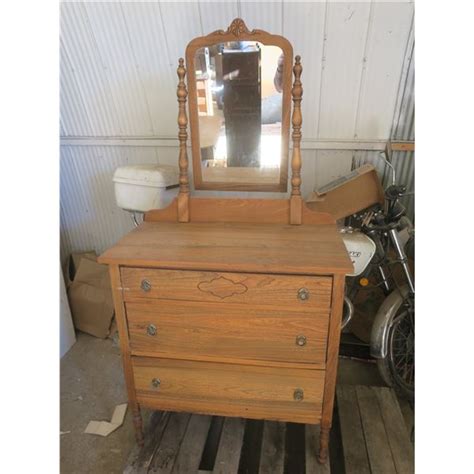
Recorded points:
(256, 248)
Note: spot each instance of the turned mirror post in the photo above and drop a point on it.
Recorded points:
(296, 203)
(183, 196)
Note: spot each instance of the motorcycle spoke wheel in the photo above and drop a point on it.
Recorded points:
(402, 350)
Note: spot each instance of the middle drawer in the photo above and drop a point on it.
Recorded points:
(192, 330)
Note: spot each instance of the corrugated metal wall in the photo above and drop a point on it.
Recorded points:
(118, 82)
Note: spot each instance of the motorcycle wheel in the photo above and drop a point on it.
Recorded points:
(398, 367)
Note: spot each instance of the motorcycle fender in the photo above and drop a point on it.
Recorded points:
(383, 320)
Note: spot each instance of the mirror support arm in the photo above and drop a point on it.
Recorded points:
(183, 196)
(296, 202)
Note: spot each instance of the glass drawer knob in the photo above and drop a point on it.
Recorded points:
(145, 285)
(156, 383)
(298, 394)
(151, 330)
(301, 340)
(303, 294)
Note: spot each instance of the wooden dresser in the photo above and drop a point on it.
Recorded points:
(233, 307)
(230, 319)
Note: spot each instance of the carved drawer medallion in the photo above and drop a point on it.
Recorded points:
(222, 287)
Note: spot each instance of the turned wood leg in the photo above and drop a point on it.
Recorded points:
(138, 425)
(323, 444)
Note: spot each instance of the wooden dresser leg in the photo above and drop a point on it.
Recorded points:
(323, 444)
(138, 425)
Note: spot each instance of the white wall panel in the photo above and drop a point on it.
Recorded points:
(157, 71)
(181, 23)
(263, 16)
(112, 37)
(386, 45)
(308, 42)
(346, 33)
(217, 15)
(86, 76)
(90, 218)
(330, 164)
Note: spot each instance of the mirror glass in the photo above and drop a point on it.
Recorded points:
(239, 88)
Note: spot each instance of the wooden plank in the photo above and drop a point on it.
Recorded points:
(272, 458)
(402, 146)
(230, 446)
(140, 459)
(398, 437)
(311, 450)
(165, 456)
(378, 447)
(355, 452)
(137, 455)
(192, 446)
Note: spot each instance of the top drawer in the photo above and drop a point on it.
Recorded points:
(298, 292)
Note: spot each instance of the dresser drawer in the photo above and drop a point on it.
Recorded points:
(193, 330)
(296, 292)
(229, 389)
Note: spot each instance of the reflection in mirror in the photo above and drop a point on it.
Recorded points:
(239, 94)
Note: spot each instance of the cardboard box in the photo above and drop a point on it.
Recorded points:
(90, 295)
(72, 265)
(348, 194)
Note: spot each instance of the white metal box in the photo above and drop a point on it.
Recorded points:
(145, 187)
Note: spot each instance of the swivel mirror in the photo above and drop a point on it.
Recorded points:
(239, 85)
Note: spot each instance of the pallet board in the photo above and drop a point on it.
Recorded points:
(374, 435)
(374, 440)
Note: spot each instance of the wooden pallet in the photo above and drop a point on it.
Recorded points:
(373, 440)
(184, 443)
(373, 432)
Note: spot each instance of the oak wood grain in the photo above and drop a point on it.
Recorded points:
(189, 330)
(296, 202)
(227, 288)
(334, 336)
(229, 390)
(183, 196)
(125, 352)
(269, 211)
(253, 248)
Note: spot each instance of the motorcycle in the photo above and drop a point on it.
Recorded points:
(377, 240)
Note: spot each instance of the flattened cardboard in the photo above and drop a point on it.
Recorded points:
(349, 194)
(104, 428)
(90, 298)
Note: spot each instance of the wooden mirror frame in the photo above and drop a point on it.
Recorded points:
(238, 31)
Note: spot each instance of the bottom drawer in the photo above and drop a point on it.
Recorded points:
(229, 390)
